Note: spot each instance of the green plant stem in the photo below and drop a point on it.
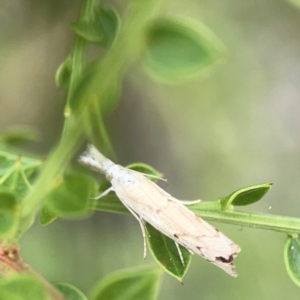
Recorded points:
(11, 263)
(112, 66)
(212, 211)
(72, 132)
(78, 62)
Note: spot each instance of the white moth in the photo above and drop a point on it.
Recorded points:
(148, 202)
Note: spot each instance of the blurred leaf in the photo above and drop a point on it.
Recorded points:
(21, 287)
(18, 173)
(109, 19)
(88, 30)
(71, 198)
(245, 196)
(129, 284)
(178, 49)
(47, 216)
(8, 211)
(18, 135)
(166, 253)
(102, 28)
(108, 102)
(296, 3)
(291, 255)
(71, 292)
(63, 73)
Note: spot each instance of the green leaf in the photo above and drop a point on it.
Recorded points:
(129, 284)
(17, 135)
(102, 28)
(146, 169)
(166, 253)
(109, 19)
(71, 292)
(47, 216)
(245, 196)
(18, 173)
(8, 211)
(291, 254)
(21, 287)
(71, 198)
(88, 30)
(63, 73)
(178, 49)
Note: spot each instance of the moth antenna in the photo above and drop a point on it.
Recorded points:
(150, 175)
(157, 177)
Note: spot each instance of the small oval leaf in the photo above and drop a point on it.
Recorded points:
(129, 284)
(71, 292)
(88, 30)
(166, 253)
(47, 216)
(146, 169)
(63, 73)
(246, 196)
(102, 28)
(21, 287)
(108, 19)
(72, 197)
(178, 49)
(291, 254)
(17, 135)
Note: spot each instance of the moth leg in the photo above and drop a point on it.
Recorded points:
(180, 253)
(190, 202)
(141, 222)
(104, 193)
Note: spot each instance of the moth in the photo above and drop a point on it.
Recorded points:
(150, 203)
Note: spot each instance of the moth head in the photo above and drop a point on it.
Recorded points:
(93, 159)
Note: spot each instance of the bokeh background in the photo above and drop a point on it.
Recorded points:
(239, 126)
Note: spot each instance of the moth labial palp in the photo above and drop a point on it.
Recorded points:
(150, 203)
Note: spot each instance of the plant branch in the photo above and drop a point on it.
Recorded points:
(78, 61)
(213, 211)
(72, 131)
(11, 263)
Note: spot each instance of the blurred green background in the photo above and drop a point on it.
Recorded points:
(236, 127)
